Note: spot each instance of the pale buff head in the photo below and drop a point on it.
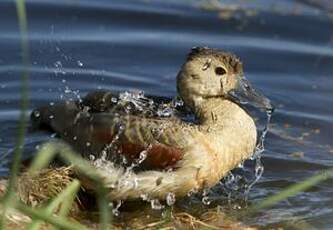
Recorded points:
(211, 73)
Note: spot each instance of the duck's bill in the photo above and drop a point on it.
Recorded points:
(246, 94)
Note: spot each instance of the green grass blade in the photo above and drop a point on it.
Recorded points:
(20, 6)
(42, 159)
(104, 208)
(56, 221)
(292, 190)
(69, 199)
(85, 168)
(21, 12)
(65, 198)
(49, 150)
(17, 155)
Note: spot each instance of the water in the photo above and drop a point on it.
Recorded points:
(286, 47)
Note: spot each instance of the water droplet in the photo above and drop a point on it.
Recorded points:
(124, 160)
(236, 207)
(79, 63)
(206, 200)
(58, 64)
(88, 144)
(128, 107)
(170, 198)
(142, 157)
(115, 210)
(51, 116)
(259, 170)
(135, 183)
(36, 113)
(104, 155)
(92, 157)
(67, 90)
(241, 165)
(144, 197)
(192, 191)
(156, 205)
(114, 100)
(177, 102)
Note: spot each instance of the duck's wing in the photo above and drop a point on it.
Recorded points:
(159, 140)
(100, 101)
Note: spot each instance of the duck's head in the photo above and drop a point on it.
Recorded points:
(211, 73)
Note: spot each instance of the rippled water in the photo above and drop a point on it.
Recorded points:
(286, 47)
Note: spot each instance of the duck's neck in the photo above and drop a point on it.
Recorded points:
(217, 112)
(229, 129)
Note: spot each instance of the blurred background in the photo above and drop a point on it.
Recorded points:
(286, 47)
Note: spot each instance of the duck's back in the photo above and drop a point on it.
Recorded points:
(116, 133)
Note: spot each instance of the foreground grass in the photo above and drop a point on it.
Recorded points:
(9, 199)
(55, 207)
(292, 190)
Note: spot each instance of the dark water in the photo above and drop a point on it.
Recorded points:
(286, 47)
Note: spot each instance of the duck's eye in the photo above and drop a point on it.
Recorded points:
(220, 71)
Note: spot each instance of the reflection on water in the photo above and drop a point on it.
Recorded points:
(286, 48)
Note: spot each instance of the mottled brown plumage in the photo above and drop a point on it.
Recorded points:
(211, 84)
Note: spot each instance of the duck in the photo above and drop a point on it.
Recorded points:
(173, 156)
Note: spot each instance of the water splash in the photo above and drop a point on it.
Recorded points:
(260, 148)
(136, 102)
